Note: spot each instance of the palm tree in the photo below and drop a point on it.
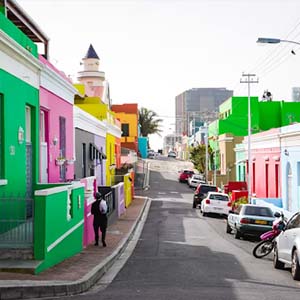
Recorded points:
(149, 122)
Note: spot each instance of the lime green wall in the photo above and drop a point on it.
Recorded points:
(290, 113)
(269, 115)
(98, 110)
(111, 159)
(13, 163)
(236, 120)
(16, 34)
(127, 190)
(55, 236)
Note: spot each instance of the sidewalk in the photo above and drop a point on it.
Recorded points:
(79, 273)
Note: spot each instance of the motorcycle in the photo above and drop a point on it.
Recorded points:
(267, 244)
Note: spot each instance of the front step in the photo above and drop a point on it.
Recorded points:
(16, 254)
(19, 266)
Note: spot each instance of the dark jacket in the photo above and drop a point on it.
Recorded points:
(95, 210)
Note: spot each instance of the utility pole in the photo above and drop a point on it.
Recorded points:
(250, 78)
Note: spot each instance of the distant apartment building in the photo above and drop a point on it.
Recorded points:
(170, 141)
(296, 94)
(197, 106)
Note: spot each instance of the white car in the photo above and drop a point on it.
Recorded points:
(172, 154)
(194, 180)
(287, 247)
(216, 203)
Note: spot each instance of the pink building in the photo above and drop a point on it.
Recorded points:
(56, 125)
(266, 170)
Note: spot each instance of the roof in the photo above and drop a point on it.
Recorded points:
(91, 53)
(22, 20)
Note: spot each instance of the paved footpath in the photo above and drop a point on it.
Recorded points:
(78, 273)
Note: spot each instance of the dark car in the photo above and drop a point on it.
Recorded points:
(249, 219)
(184, 175)
(201, 191)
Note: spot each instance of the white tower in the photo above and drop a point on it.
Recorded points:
(91, 76)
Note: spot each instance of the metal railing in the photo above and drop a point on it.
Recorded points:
(110, 202)
(16, 222)
(141, 169)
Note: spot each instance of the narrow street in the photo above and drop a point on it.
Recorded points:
(182, 255)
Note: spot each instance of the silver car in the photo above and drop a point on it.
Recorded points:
(287, 247)
(194, 180)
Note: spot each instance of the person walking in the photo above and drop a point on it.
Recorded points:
(99, 210)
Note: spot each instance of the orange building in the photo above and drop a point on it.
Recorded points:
(128, 114)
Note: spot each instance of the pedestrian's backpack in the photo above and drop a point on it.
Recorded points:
(103, 207)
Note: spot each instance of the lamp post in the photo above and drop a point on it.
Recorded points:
(274, 41)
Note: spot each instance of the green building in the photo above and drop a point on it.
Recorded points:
(40, 223)
(233, 120)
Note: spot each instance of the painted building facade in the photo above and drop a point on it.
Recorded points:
(19, 139)
(233, 119)
(90, 145)
(27, 207)
(290, 166)
(265, 163)
(128, 114)
(56, 125)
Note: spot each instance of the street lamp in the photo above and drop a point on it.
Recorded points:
(274, 41)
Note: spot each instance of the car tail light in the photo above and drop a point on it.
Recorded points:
(244, 221)
(229, 204)
(207, 201)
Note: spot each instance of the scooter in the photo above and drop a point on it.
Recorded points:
(267, 244)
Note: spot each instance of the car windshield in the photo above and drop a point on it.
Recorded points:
(258, 211)
(218, 197)
(197, 177)
(205, 189)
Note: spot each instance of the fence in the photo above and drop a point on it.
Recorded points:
(141, 169)
(16, 222)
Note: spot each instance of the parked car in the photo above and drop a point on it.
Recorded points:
(201, 191)
(194, 180)
(172, 154)
(249, 219)
(184, 175)
(287, 247)
(216, 203)
(151, 153)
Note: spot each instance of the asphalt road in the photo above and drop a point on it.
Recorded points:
(182, 255)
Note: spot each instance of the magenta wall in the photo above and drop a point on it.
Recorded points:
(89, 192)
(56, 107)
(266, 173)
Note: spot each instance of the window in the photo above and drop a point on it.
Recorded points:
(42, 127)
(267, 180)
(294, 222)
(125, 129)
(276, 180)
(28, 124)
(83, 160)
(253, 176)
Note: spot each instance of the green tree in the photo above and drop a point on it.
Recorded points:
(197, 157)
(149, 122)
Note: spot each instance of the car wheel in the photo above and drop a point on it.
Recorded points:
(277, 263)
(237, 234)
(228, 228)
(295, 268)
(204, 213)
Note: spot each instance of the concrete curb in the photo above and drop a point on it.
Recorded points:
(40, 289)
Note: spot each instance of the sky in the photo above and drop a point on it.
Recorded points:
(153, 50)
